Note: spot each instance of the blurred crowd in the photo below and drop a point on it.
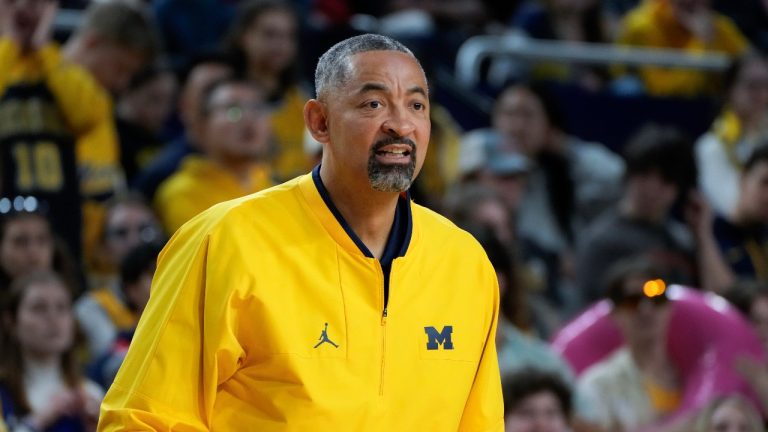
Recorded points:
(115, 133)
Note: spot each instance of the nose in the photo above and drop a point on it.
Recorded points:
(398, 123)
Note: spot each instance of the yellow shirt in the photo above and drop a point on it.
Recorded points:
(653, 25)
(287, 123)
(199, 184)
(87, 109)
(233, 336)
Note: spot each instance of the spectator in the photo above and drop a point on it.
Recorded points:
(136, 271)
(526, 316)
(265, 41)
(730, 414)
(567, 21)
(751, 298)
(40, 384)
(573, 181)
(199, 74)
(536, 401)
(143, 109)
(742, 236)
(660, 171)
(27, 245)
(191, 27)
(637, 385)
(113, 42)
(689, 25)
(234, 138)
(742, 125)
(105, 311)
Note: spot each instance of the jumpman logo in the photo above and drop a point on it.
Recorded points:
(324, 338)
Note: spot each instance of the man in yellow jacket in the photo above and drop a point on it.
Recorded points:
(331, 302)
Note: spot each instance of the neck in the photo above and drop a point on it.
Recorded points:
(268, 81)
(369, 213)
(41, 361)
(239, 168)
(653, 362)
(740, 216)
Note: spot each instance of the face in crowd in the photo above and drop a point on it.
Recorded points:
(236, 129)
(44, 324)
(127, 225)
(643, 311)
(539, 412)
(270, 41)
(26, 245)
(520, 117)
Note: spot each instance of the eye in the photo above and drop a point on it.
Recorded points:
(418, 106)
(374, 104)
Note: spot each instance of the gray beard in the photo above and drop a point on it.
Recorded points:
(391, 178)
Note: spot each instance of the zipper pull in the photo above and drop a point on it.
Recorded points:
(384, 316)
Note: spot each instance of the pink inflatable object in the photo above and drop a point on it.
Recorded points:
(706, 335)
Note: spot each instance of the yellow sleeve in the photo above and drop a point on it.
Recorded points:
(87, 107)
(185, 344)
(9, 56)
(174, 205)
(728, 38)
(484, 410)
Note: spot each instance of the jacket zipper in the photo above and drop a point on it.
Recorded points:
(383, 349)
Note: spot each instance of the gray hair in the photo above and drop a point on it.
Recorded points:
(333, 66)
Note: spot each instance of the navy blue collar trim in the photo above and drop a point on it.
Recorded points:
(399, 235)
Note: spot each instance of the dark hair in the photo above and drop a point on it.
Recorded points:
(210, 89)
(11, 361)
(139, 260)
(129, 198)
(662, 149)
(743, 294)
(620, 271)
(530, 381)
(731, 74)
(248, 12)
(548, 101)
(759, 154)
(203, 58)
(63, 262)
(512, 302)
(333, 68)
(147, 74)
(123, 24)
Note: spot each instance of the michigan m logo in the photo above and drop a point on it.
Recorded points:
(435, 338)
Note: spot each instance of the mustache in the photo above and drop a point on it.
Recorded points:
(393, 140)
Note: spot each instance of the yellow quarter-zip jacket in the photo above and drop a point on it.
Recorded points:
(266, 316)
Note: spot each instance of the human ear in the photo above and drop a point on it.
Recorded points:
(316, 120)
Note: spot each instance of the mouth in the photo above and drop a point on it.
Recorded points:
(394, 153)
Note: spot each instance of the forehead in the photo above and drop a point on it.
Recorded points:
(387, 67)
(518, 97)
(236, 92)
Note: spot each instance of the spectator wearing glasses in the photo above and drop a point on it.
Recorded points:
(234, 138)
(105, 310)
(637, 385)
